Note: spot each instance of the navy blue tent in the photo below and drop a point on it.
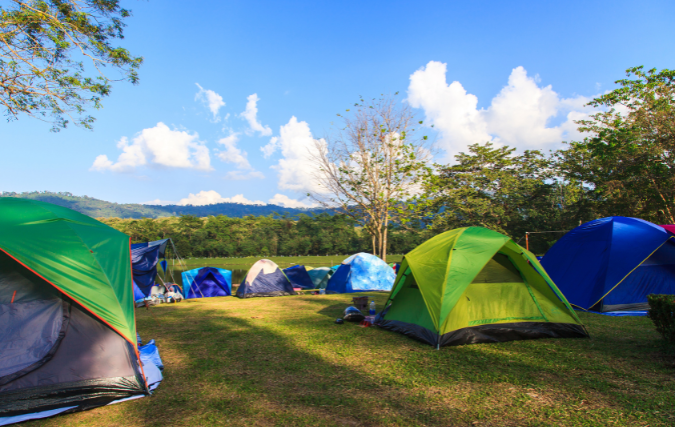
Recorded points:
(144, 259)
(207, 282)
(265, 279)
(361, 272)
(612, 264)
(299, 277)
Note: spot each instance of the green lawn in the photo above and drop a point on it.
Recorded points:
(283, 262)
(283, 362)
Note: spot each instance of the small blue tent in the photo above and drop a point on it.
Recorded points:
(299, 277)
(320, 276)
(612, 264)
(265, 279)
(361, 273)
(207, 282)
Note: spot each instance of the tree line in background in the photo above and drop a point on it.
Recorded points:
(223, 236)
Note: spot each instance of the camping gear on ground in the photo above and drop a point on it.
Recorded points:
(320, 276)
(612, 264)
(360, 302)
(68, 336)
(353, 314)
(367, 321)
(360, 273)
(265, 279)
(207, 282)
(339, 321)
(474, 285)
(298, 277)
(173, 291)
(372, 309)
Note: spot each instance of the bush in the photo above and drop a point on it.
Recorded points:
(662, 313)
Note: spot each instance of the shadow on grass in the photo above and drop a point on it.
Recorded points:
(334, 310)
(282, 361)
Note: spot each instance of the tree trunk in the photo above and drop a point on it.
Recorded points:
(384, 238)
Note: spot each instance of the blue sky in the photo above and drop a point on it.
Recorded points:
(516, 73)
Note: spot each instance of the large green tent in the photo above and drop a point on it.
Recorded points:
(68, 336)
(473, 285)
(81, 257)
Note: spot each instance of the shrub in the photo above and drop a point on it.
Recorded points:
(662, 313)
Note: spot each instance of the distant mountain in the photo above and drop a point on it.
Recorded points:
(101, 209)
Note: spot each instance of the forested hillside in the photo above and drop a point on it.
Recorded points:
(101, 209)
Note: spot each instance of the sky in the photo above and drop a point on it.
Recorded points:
(232, 93)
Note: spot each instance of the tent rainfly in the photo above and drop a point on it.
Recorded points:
(68, 337)
(299, 277)
(474, 285)
(361, 272)
(612, 264)
(320, 276)
(207, 282)
(265, 279)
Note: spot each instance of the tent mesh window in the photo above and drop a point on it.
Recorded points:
(499, 293)
(53, 353)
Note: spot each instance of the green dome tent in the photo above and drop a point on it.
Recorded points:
(66, 310)
(473, 285)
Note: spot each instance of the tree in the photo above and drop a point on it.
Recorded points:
(371, 166)
(629, 159)
(44, 45)
(490, 187)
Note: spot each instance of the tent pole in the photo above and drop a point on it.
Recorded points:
(527, 240)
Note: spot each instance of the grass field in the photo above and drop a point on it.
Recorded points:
(283, 362)
(283, 262)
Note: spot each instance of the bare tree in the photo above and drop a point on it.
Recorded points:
(372, 166)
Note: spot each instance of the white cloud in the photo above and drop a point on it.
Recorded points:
(158, 202)
(287, 202)
(251, 113)
(211, 99)
(212, 197)
(271, 147)
(232, 154)
(519, 116)
(159, 146)
(296, 168)
(241, 176)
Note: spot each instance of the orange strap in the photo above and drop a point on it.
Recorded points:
(13, 295)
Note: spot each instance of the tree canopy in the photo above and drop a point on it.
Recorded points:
(629, 158)
(53, 54)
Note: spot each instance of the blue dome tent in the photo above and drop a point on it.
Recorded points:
(612, 264)
(265, 279)
(207, 282)
(299, 277)
(361, 273)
